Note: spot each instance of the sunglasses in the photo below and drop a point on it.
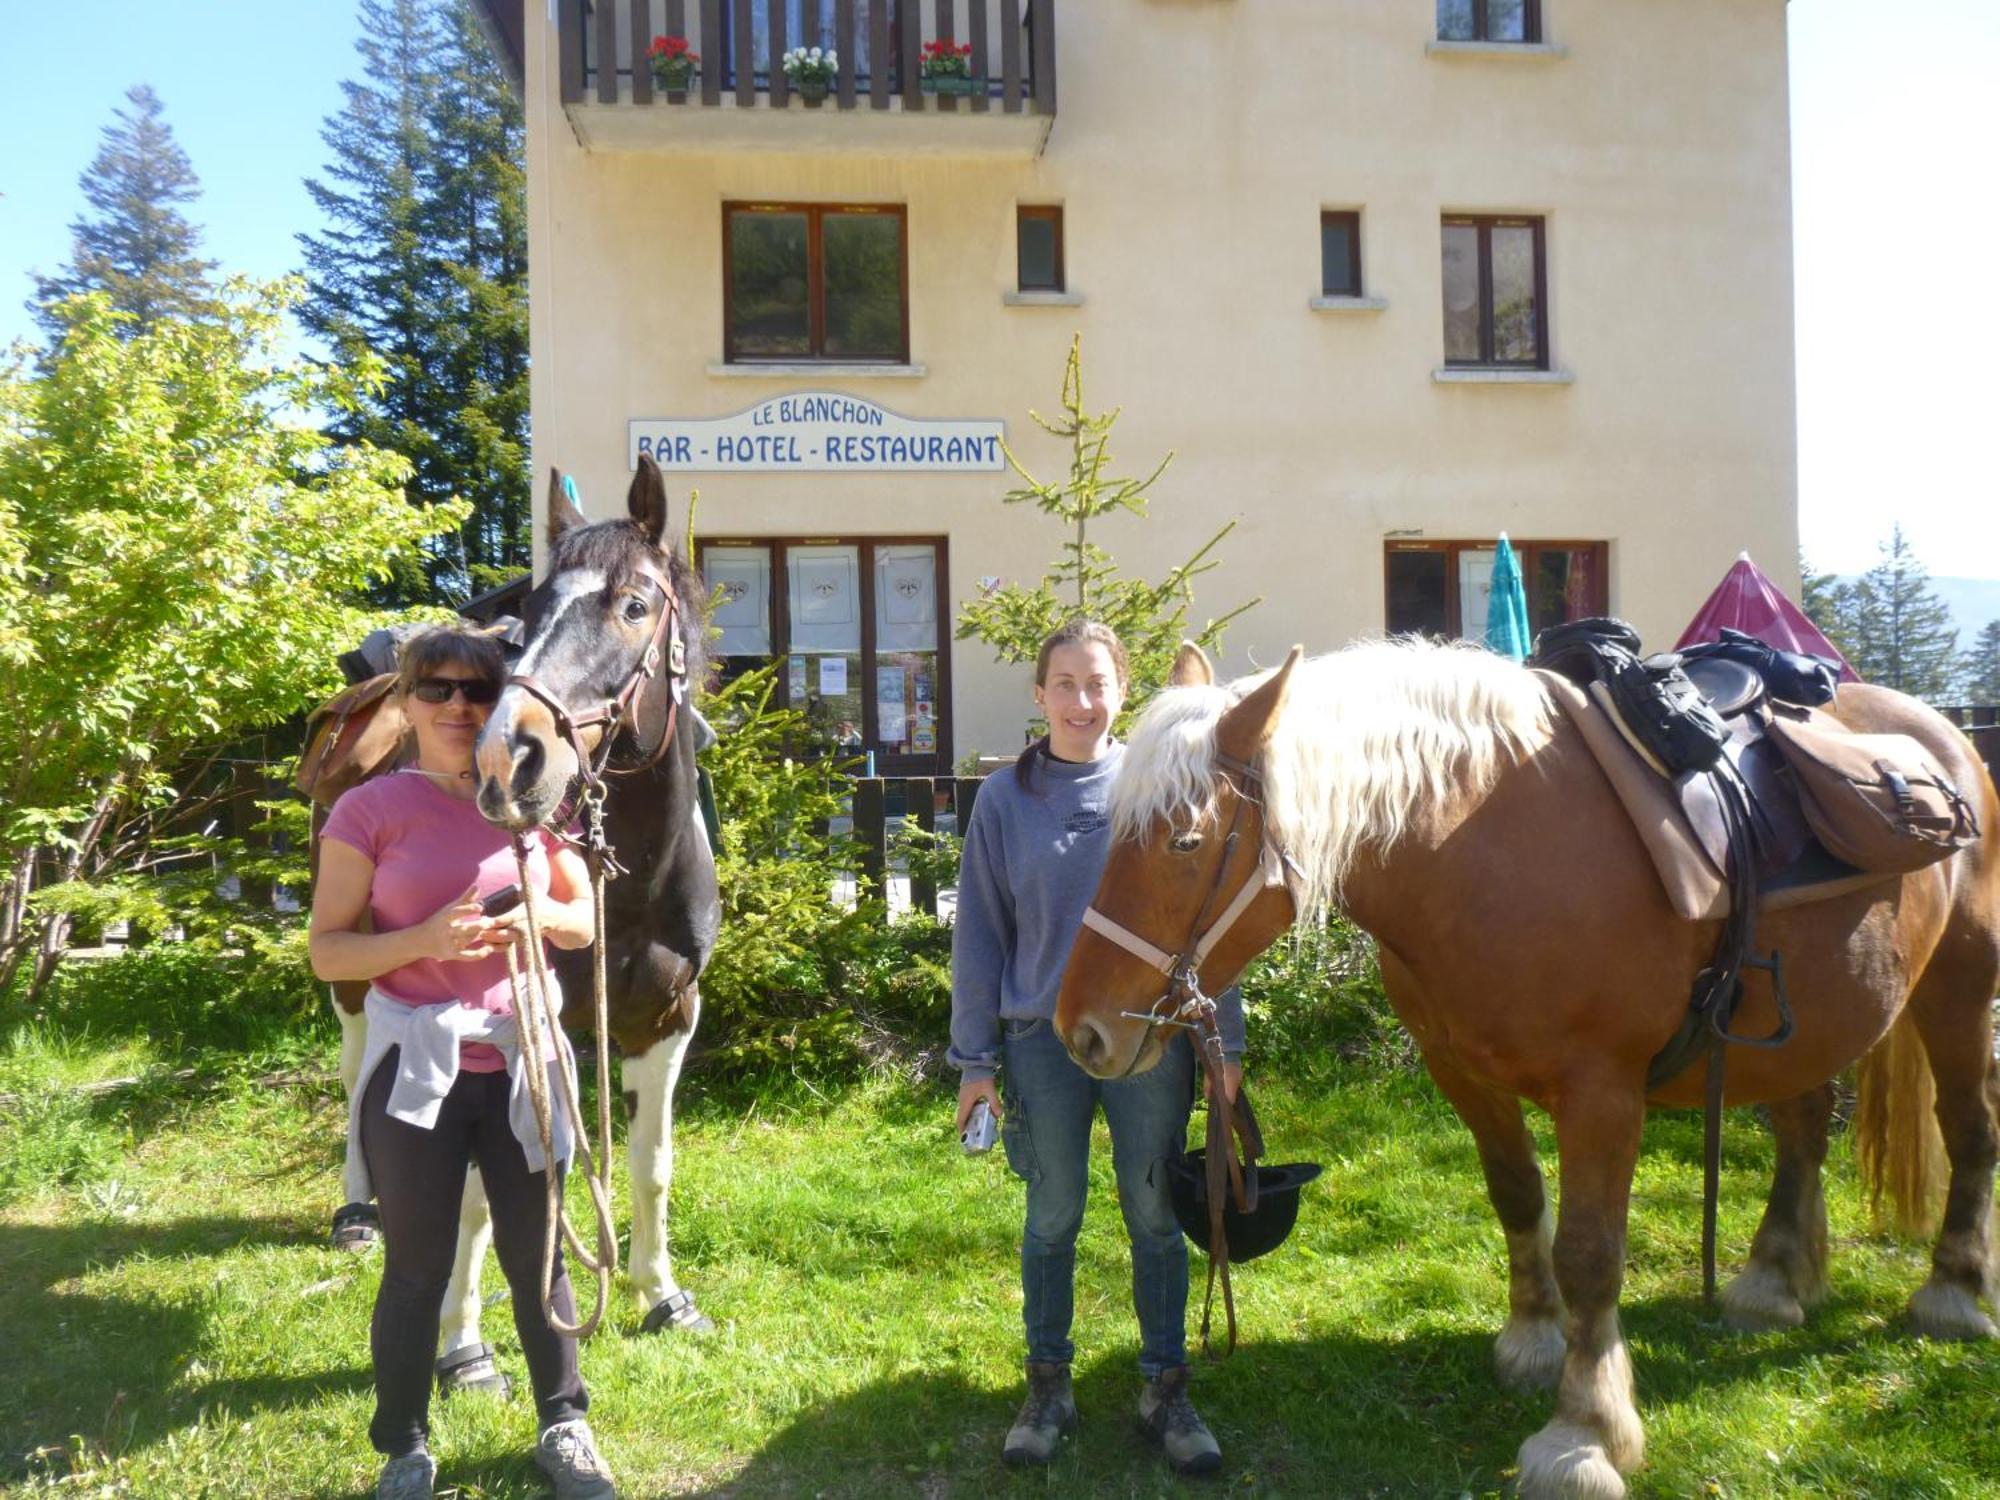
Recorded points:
(476, 690)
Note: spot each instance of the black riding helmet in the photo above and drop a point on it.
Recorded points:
(1249, 1235)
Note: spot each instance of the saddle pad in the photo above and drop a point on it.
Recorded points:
(1692, 878)
(1694, 886)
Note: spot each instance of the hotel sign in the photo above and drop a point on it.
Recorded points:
(815, 432)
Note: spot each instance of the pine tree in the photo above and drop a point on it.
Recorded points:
(137, 247)
(477, 217)
(1823, 598)
(425, 265)
(1898, 633)
(1980, 668)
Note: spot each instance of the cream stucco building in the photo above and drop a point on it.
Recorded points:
(1571, 317)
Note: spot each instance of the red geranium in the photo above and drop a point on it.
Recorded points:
(672, 49)
(943, 59)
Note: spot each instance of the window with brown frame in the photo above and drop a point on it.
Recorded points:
(1489, 21)
(1038, 238)
(856, 629)
(1339, 253)
(817, 281)
(1495, 292)
(1440, 588)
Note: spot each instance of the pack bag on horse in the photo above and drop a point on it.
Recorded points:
(1451, 803)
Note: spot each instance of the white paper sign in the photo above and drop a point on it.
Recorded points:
(815, 432)
(832, 676)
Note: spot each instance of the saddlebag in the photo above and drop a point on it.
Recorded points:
(1876, 801)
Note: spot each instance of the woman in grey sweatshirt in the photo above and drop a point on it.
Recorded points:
(1034, 850)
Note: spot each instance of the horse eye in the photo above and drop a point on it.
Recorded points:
(1185, 843)
(635, 610)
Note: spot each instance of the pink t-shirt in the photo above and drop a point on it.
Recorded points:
(427, 846)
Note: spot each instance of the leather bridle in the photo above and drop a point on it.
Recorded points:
(1183, 1003)
(623, 704)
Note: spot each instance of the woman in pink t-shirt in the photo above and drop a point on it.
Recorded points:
(405, 861)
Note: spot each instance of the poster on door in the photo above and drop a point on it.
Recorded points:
(891, 707)
(832, 676)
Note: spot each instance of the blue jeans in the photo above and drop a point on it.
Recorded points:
(1046, 1130)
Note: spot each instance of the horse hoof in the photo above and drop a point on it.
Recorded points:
(677, 1313)
(356, 1226)
(1565, 1462)
(1941, 1310)
(1760, 1299)
(472, 1368)
(1529, 1354)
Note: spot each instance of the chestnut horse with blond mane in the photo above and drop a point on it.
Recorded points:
(1438, 796)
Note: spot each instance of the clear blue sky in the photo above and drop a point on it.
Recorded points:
(1896, 217)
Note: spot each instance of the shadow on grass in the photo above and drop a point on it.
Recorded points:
(1338, 1415)
(83, 1363)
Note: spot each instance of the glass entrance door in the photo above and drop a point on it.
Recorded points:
(857, 633)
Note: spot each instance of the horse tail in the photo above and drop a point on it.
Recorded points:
(1896, 1136)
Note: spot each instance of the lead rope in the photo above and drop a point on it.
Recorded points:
(532, 1005)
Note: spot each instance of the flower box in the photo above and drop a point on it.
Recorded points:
(950, 84)
(674, 64)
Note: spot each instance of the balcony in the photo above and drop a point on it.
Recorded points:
(743, 101)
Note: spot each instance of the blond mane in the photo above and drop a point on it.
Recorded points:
(1373, 741)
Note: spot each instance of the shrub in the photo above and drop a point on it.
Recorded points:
(1317, 997)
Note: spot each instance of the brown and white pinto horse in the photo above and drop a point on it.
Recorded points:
(1437, 796)
(589, 624)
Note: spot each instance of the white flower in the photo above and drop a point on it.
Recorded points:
(832, 58)
(814, 54)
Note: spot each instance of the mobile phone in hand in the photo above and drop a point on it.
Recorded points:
(501, 901)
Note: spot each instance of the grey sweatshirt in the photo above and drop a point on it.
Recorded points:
(1031, 864)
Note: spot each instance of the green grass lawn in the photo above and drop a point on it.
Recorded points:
(172, 1326)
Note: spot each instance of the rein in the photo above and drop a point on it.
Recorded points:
(527, 962)
(1183, 1004)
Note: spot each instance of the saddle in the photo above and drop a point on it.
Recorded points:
(1746, 802)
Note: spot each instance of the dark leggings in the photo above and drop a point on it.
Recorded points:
(419, 1185)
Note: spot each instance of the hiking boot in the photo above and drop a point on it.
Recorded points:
(1046, 1415)
(1169, 1419)
(568, 1454)
(410, 1477)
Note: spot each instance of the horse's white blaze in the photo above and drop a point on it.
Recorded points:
(461, 1298)
(353, 1043)
(567, 588)
(649, 1145)
(564, 590)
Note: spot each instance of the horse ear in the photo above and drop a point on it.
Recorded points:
(1245, 727)
(563, 514)
(1191, 667)
(647, 499)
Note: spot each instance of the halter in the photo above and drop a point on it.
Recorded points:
(616, 709)
(1183, 1003)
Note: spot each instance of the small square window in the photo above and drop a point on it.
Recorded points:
(1489, 21)
(1039, 237)
(1340, 254)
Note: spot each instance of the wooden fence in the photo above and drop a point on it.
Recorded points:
(920, 796)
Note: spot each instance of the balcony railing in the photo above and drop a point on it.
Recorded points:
(741, 44)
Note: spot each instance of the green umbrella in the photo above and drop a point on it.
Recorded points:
(1507, 606)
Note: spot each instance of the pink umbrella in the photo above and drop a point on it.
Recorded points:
(1746, 600)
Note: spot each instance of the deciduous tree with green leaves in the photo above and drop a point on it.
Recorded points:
(1150, 618)
(182, 556)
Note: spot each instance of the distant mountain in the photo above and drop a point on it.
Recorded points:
(1972, 602)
